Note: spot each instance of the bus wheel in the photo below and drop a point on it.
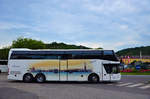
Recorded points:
(40, 78)
(28, 78)
(93, 78)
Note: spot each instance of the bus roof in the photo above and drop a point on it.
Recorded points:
(25, 49)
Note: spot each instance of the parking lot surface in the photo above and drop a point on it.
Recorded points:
(130, 87)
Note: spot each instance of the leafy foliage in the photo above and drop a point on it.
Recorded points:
(28, 43)
(55, 45)
(4, 53)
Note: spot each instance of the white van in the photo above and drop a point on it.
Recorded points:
(3, 66)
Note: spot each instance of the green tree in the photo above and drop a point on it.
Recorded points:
(28, 43)
(4, 53)
(145, 50)
(55, 45)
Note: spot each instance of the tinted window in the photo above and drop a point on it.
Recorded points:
(3, 62)
(105, 55)
(87, 55)
(56, 55)
(108, 53)
(35, 56)
(80, 56)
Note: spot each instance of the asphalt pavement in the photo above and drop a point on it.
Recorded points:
(130, 87)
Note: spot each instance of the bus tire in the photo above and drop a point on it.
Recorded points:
(40, 78)
(28, 78)
(93, 78)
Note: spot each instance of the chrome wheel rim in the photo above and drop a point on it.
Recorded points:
(27, 78)
(94, 79)
(40, 79)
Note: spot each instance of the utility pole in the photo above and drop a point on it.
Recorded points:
(140, 54)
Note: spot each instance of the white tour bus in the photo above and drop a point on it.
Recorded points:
(3, 66)
(63, 65)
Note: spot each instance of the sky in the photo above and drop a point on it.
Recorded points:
(110, 24)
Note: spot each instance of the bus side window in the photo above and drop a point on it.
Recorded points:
(108, 52)
(65, 56)
(109, 55)
(51, 57)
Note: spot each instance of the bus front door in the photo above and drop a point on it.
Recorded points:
(63, 72)
(106, 73)
(115, 75)
(111, 72)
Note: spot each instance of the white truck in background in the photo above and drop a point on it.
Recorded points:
(3, 66)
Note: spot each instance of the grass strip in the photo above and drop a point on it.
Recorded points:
(136, 73)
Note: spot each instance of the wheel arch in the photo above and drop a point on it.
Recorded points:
(27, 74)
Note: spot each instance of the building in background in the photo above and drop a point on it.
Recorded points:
(129, 59)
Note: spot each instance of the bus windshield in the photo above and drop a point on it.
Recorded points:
(112, 68)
